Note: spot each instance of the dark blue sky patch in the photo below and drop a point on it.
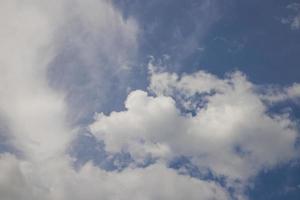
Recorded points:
(282, 182)
(220, 36)
(251, 38)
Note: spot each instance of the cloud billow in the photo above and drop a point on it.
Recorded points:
(54, 57)
(231, 133)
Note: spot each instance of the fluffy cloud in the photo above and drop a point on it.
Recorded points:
(34, 35)
(57, 180)
(230, 132)
(49, 61)
(35, 113)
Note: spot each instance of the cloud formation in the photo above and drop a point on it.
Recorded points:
(53, 56)
(230, 132)
(36, 99)
(36, 114)
(57, 180)
(33, 112)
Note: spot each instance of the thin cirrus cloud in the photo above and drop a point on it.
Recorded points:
(52, 58)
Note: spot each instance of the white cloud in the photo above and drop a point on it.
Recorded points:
(231, 133)
(57, 180)
(12, 182)
(278, 94)
(35, 113)
(31, 37)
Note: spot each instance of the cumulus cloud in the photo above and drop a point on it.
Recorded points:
(56, 180)
(230, 132)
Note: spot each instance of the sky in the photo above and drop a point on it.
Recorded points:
(149, 100)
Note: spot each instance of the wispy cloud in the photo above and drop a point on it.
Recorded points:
(294, 19)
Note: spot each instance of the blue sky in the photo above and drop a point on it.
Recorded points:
(227, 35)
(128, 99)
